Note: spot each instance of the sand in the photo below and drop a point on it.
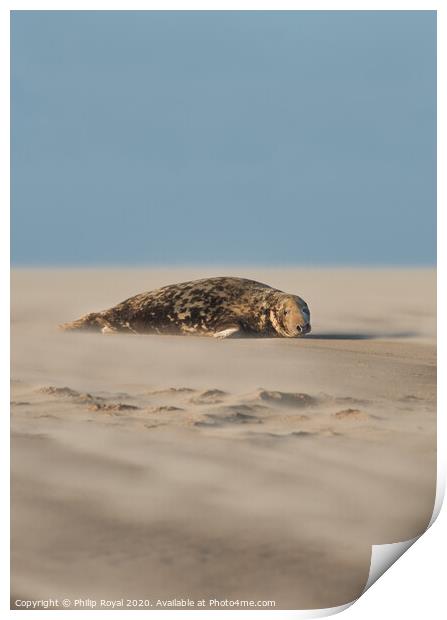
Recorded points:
(160, 468)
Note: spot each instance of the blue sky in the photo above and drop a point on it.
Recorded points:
(223, 137)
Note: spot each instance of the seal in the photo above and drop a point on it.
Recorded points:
(219, 307)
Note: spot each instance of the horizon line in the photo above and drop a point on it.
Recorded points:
(242, 265)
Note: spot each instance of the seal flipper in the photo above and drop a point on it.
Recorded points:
(228, 332)
(92, 322)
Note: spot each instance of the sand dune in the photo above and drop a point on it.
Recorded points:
(157, 467)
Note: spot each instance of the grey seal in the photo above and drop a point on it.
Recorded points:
(219, 307)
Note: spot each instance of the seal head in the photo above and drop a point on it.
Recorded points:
(291, 317)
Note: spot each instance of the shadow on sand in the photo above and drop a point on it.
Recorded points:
(357, 336)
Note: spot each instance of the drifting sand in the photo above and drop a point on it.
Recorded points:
(152, 467)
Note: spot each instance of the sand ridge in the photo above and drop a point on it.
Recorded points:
(281, 413)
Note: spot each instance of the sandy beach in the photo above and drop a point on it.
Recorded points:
(163, 467)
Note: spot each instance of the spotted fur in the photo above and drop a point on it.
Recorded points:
(219, 307)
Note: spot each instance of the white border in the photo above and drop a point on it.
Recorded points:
(412, 588)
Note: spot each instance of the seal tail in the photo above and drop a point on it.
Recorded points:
(91, 321)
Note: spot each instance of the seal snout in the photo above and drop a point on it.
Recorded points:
(304, 329)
